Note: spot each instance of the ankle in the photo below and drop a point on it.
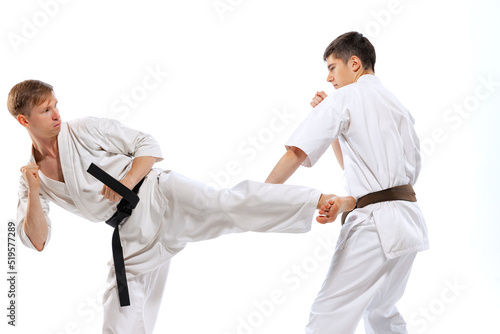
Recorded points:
(349, 203)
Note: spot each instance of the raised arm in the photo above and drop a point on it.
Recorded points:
(309, 141)
(320, 96)
(34, 224)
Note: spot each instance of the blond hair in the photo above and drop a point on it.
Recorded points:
(26, 95)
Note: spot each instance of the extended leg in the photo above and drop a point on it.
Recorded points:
(199, 212)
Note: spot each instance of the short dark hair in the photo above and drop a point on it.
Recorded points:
(352, 44)
(26, 95)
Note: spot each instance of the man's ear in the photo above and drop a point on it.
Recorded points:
(23, 120)
(355, 63)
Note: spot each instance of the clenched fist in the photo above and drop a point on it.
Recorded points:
(320, 96)
(30, 175)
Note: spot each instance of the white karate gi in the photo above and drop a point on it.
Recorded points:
(172, 211)
(378, 243)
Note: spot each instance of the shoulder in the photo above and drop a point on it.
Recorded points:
(82, 123)
(365, 88)
(89, 121)
(91, 124)
(343, 96)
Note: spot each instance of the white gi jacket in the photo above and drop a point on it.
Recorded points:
(380, 149)
(173, 209)
(111, 146)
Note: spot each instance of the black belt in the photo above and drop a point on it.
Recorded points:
(399, 193)
(123, 210)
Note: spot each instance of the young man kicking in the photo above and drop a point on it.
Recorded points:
(173, 210)
(374, 140)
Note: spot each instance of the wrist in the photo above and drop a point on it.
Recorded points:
(322, 200)
(33, 192)
(130, 181)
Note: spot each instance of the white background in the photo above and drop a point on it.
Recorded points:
(230, 68)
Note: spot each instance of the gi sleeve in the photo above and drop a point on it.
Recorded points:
(21, 214)
(119, 139)
(321, 127)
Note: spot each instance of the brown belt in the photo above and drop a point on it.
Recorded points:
(399, 193)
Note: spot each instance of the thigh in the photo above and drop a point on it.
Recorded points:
(198, 212)
(193, 211)
(356, 273)
(382, 315)
(395, 283)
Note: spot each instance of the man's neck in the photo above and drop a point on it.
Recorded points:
(361, 73)
(45, 147)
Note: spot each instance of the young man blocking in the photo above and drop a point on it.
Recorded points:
(374, 140)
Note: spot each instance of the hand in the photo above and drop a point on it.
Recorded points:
(320, 96)
(30, 175)
(111, 195)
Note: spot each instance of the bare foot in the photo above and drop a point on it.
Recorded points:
(333, 206)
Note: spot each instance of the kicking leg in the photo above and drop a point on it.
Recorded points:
(198, 212)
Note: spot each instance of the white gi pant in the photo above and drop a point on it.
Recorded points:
(361, 282)
(194, 212)
(145, 292)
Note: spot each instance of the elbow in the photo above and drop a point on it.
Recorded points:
(37, 243)
(300, 155)
(34, 234)
(39, 248)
